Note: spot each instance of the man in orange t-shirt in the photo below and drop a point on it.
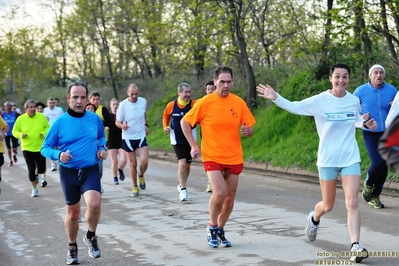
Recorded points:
(223, 116)
(173, 113)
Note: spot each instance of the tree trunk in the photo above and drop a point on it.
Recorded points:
(236, 10)
(388, 36)
(323, 67)
(361, 29)
(105, 49)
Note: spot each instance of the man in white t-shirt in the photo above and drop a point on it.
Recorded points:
(131, 118)
(52, 112)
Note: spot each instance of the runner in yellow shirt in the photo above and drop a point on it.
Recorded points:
(31, 128)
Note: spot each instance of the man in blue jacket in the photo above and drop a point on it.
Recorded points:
(80, 138)
(375, 98)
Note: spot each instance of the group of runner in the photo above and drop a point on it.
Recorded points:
(223, 117)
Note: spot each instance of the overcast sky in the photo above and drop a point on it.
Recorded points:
(27, 12)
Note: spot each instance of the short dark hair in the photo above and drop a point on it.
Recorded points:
(339, 65)
(94, 94)
(40, 104)
(209, 83)
(222, 69)
(77, 84)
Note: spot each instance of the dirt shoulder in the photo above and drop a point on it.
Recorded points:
(391, 188)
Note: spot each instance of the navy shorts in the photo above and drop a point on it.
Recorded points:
(74, 182)
(130, 145)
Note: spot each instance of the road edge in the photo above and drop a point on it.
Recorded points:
(391, 188)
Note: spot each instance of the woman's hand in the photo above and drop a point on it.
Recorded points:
(266, 91)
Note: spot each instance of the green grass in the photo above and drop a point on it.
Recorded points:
(281, 139)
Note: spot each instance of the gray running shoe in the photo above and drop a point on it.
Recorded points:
(53, 167)
(311, 229)
(72, 256)
(358, 253)
(93, 249)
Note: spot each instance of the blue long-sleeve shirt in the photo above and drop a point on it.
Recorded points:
(376, 102)
(82, 136)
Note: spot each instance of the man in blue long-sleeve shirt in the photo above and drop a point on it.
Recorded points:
(375, 98)
(80, 138)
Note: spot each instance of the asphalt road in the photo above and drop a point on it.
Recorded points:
(265, 228)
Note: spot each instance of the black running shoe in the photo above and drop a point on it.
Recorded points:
(44, 183)
(121, 175)
(223, 240)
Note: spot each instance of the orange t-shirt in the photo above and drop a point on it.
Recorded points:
(221, 120)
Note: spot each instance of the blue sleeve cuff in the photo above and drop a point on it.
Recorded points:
(103, 148)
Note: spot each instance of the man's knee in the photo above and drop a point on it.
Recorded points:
(93, 202)
(219, 196)
(73, 212)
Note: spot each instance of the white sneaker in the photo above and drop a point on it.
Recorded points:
(183, 195)
(358, 253)
(35, 193)
(178, 187)
(208, 188)
(53, 167)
